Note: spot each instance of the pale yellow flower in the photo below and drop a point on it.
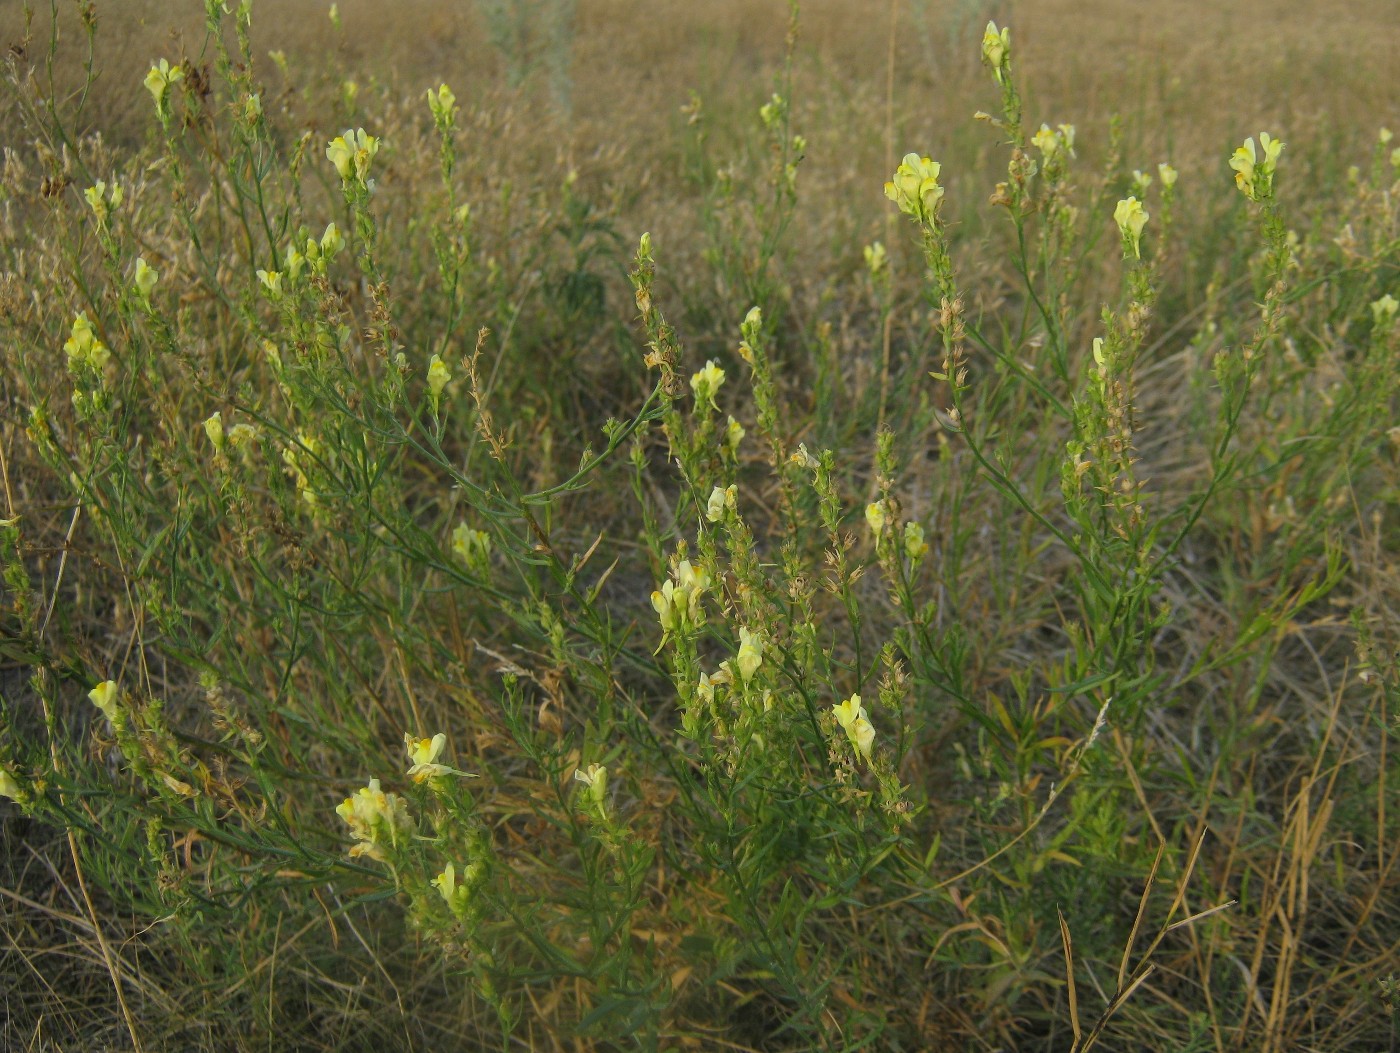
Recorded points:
(1131, 220)
(83, 348)
(351, 154)
(423, 754)
(915, 188)
(996, 48)
(106, 697)
(877, 518)
(915, 547)
(443, 105)
(8, 786)
(1167, 174)
(439, 376)
(145, 279)
(595, 777)
(158, 81)
(721, 499)
(1384, 309)
(214, 428)
(455, 895)
(473, 547)
(706, 384)
(677, 602)
(849, 711)
(750, 654)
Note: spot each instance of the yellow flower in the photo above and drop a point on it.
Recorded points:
(272, 283)
(1167, 174)
(103, 199)
(733, 435)
(158, 81)
(595, 777)
(145, 279)
(455, 895)
(214, 428)
(8, 786)
(374, 817)
(750, 654)
(849, 711)
(876, 518)
(996, 48)
(915, 547)
(331, 241)
(105, 696)
(1131, 218)
(472, 547)
(876, 259)
(444, 106)
(351, 154)
(1384, 309)
(1254, 177)
(677, 602)
(423, 753)
(83, 348)
(915, 188)
(721, 498)
(851, 715)
(706, 383)
(439, 376)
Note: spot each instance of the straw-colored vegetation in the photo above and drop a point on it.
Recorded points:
(512, 540)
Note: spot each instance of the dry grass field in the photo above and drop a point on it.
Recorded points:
(628, 553)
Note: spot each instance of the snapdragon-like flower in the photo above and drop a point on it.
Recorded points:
(214, 428)
(996, 50)
(721, 498)
(877, 518)
(103, 199)
(439, 376)
(457, 896)
(595, 777)
(852, 717)
(706, 384)
(1254, 177)
(351, 154)
(677, 602)
(915, 547)
(915, 188)
(158, 82)
(9, 787)
(733, 435)
(83, 348)
(423, 755)
(145, 279)
(1131, 219)
(375, 818)
(750, 654)
(876, 259)
(472, 547)
(1167, 174)
(272, 283)
(443, 105)
(106, 697)
(1383, 310)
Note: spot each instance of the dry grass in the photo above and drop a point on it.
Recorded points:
(1219, 872)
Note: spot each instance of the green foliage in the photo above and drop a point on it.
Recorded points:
(421, 646)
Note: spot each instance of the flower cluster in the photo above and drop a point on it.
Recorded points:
(915, 188)
(1254, 177)
(351, 154)
(677, 602)
(83, 348)
(103, 199)
(375, 818)
(158, 82)
(472, 547)
(444, 106)
(996, 50)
